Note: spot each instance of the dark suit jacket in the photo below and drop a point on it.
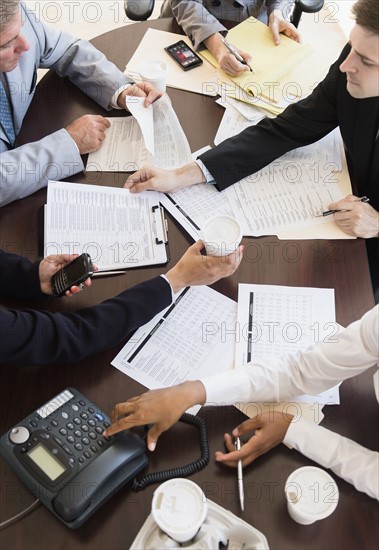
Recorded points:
(40, 337)
(330, 105)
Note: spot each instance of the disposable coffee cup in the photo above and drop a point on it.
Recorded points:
(155, 72)
(179, 508)
(221, 235)
(312, 494)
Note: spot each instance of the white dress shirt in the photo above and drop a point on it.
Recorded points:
(354, 350)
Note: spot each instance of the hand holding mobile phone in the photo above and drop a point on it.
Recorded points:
(72, 274)
(183, 55)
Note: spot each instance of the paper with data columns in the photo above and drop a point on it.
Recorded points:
(118, 229)
(280, 320)
(193, 338)
(285, 198)
(152, 135)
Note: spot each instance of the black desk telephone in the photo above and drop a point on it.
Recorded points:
(61, 455)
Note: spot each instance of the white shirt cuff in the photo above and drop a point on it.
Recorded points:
(207, 175)
(114, 98)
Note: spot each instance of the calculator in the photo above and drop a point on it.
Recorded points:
(61, 454)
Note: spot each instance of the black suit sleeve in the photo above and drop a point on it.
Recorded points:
(300, 124)
(41, 337)
(19, 277)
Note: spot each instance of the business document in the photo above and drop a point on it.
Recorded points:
(153, 135)
(118, 229)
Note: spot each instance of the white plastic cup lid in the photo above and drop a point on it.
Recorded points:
(179, 508)
(153, 70)
(221, 234)
(312, 494)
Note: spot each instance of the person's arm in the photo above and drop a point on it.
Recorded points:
(356, 464)
(76, 59)
(254, 148)
(300, 124)
(196, 21)
(19, 277)
(41, 337)
(356, 218)
(26, 169)
(351, 461)
(351, 352)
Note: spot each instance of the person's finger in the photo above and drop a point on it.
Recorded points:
(274, 27)
(152, 96)
(198, 246)
(343, 203)
(123, 409)
(153, 436)
(247, 426)
(142, 186)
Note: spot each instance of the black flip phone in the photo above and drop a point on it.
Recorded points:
(72, 274)
(183, 55)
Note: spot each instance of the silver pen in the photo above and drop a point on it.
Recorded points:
(241, 493)
(237, 55)
(108, 273)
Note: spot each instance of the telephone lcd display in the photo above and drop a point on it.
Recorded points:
(46, 462)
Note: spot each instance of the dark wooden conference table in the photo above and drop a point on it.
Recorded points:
(341, 265)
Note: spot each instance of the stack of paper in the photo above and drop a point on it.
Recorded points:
(286, 198)
(270, 63)
(203, 334)
(119, 230)
(152, 135)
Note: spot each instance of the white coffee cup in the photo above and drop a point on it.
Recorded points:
(221, 235)
(179, 508)
(312, 494)
(155, 72)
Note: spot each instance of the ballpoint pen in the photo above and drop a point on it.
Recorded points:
(108, 273)
(237, 445)
(237, 55)
(330, 212)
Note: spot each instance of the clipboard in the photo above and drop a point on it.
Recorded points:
(119, 230)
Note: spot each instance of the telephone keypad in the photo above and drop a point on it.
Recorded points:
(81, 435)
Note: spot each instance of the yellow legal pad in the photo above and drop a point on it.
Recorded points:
(269, 62)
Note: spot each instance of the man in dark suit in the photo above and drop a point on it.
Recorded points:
(348, 97)
(37, 337)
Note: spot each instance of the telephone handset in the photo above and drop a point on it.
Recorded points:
(60, 453)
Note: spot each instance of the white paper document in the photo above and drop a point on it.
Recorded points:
(152, 135)
(117, 229)
(278, 320)
(285, 198)
(192, 338)
(202, 79)
(326, 151)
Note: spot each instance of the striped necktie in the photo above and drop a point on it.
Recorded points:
(6, 117)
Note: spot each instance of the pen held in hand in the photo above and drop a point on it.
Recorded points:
(241, 494)
(237, 55)
(330, 212)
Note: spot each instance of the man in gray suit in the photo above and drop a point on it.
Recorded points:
(27, 44)
(201, 21)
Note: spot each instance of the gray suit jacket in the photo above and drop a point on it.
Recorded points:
(200, 18)
(26, 169)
